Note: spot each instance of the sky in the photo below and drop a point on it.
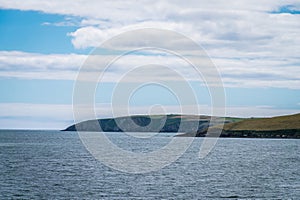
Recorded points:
(254, 45)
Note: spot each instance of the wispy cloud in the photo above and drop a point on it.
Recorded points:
(39, 66)
(280, 73)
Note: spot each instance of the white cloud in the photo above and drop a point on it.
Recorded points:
(40, 61)
(142, 10)
(268, 72)
(93, 36)
(39, 66)
(244, 27)
(251, 46)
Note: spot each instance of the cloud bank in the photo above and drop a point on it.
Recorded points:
(234, 72)
(252, 44)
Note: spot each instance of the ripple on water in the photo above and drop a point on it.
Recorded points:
(55, 165)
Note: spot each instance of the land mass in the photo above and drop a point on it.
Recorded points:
(198, 126)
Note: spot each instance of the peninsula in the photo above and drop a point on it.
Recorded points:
(197, 126)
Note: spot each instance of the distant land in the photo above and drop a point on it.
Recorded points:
(197, 126)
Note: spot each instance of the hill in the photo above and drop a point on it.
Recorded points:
(193, 125)
(159, 123)
(275, 127)
(266, 124)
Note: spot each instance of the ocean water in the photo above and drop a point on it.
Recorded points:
(56, 165)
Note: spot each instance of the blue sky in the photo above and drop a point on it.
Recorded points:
(255, 48)
(27, 31)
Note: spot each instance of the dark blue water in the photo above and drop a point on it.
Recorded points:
(55, 165)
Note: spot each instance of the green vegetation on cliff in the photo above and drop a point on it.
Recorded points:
(192, 125)
(275, 127)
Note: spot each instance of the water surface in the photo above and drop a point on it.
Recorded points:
(55, 165)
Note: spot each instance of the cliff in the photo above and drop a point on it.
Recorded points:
(197, 126)
(168, 123)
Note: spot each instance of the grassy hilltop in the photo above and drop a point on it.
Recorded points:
(274, 127)
(266, 124)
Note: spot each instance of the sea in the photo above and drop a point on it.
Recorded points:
(56, 165)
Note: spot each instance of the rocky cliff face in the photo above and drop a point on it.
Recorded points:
(169, 123)
(284, 133)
